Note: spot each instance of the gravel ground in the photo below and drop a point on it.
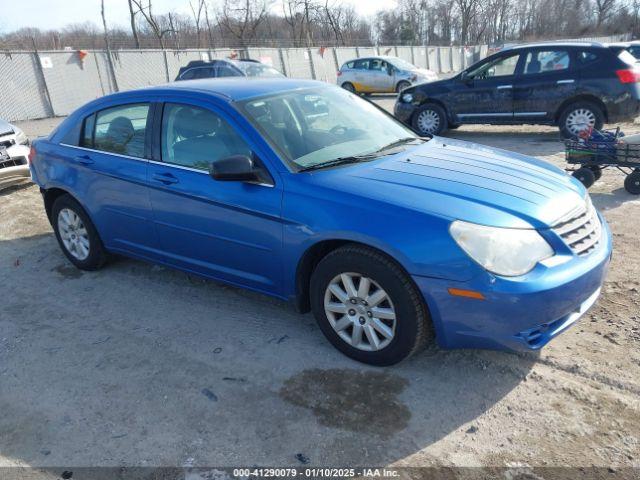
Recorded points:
(143, 365)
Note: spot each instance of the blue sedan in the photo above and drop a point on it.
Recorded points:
(306, 192)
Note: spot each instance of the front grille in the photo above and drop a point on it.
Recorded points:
(13, 162)
(581, 232)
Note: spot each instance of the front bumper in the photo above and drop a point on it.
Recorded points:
(517, 314)
(16, 167)
(404, 111)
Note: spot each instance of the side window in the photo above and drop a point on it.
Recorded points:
(87, 131)
(377, 64)
(194, 137)
(224, 70)
(500, 67)
(189, 74)
(121, 129)
(362, 64)
(544, 61)
(350, 65)
(586, 58)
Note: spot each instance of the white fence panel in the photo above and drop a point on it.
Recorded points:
(297, 62)
(22, 94)
(71, 80)
(345, 54)
(445, 59)
(367, 52)
(456, 58)
(420, 56)
(138, 68)
(433, 63)
(325, 65)
(405, 53)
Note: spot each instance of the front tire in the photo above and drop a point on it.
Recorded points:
(430, 119)
(578, 117)
(368, 307)
(632, 183)
(77, 235)
(402, 85)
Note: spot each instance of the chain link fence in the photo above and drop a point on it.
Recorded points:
(54, 83)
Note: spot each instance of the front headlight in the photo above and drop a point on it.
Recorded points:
(504, 251)
(407, 98)
(21, 137)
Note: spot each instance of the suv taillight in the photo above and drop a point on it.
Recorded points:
(629, 75)
(32, 154)
(339, 73)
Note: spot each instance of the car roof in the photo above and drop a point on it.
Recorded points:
(552, 44)
(234, 89)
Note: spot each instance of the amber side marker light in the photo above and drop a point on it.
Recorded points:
(458, 292)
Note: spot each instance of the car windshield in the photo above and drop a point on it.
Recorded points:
(258, 70)
(318, 126)
(401, 64)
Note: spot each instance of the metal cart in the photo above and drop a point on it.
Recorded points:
(600, 149)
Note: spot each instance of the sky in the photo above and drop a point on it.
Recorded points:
(51, 14)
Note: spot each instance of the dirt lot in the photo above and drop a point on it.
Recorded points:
(142, 365)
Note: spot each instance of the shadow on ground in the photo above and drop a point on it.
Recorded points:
(141, 365)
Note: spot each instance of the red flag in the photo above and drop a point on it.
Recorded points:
(321, 51)
(82, 54)
(233, 54)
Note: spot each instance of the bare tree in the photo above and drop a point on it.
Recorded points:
(134, 29)
(145, 8)
(241, 18)
(604, 9)
(197, 15)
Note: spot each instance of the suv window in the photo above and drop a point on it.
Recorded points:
(362, 64)
(118, 130)
(500, 67)
(226, 70)
(586, 57)
(350, 64)
(544, 61)
(194, 137)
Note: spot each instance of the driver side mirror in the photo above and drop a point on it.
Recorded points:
(237, 168)
(465, 78)
(389, 70)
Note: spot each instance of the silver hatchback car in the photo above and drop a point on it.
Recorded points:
(381, 75)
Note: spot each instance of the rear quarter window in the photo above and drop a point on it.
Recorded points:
(587, 57)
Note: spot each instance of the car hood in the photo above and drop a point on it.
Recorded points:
(5, 127)
(466, 181)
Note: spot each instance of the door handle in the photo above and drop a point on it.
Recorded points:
(166, 178)
(560, 82)
(83, 160)
(504, 87)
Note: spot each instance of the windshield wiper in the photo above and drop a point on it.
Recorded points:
(338, 161)
(397, 143)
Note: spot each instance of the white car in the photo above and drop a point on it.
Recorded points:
(381, 75)
(14, 151)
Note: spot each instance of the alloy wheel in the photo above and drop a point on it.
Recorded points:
(579, 120)
(428, 121)
(73, 234)
(360, 311)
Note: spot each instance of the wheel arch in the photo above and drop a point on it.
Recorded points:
(50, 195)
(313, 255)
(581, 98)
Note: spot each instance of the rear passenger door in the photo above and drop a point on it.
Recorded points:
(548, 78)
(223, 229)
(110, 170)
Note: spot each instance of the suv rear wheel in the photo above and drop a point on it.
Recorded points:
(430, 119)
(578, 117)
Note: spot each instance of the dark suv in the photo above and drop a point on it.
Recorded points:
(226, 68)
(572, 85)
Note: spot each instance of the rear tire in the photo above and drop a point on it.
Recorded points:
(348, 86)
(578, 117)
(597, 171)
(350, 319)
(429, 119)
(585, 175)
(632, 183)
(76, 234)
(402, 85)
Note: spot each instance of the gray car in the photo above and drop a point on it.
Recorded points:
(381, 75)
(14, 151)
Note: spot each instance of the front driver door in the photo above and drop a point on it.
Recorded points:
(224, 229)
(485, 93)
